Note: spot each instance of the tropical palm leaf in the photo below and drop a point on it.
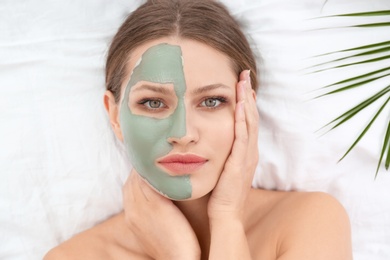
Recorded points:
(386, 146)
(366, 128)
(365, 53)
(374, 13)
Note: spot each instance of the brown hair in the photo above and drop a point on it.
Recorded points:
(206, 21)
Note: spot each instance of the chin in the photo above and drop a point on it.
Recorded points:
(196, 194)
(202, 185)
(201, 190)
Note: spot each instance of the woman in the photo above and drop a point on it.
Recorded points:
(181, 81)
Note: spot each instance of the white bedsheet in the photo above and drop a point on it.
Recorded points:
(61, 170)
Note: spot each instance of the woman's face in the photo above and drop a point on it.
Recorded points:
(177, 115)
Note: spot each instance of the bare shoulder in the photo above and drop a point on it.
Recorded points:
(312, 206)
(81, 246)
(99, 242)
(306, 225)
(56, 253)
(318, 228)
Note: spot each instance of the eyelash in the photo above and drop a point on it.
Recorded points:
(221, 99)
(144, 101)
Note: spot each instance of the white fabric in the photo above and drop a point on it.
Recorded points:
(61, 170)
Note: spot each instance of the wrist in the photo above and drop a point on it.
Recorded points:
(190, 255)
(228, 224)
(187, 248)
(222, 217)
(228, 240)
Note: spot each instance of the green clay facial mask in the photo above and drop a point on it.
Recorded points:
(146, 137)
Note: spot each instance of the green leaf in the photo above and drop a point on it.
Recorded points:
(371, 25)
(357, 84)
(386, 143)
(368, 46)
(374, 13)
(365, 130)
(387, 163)
(375, 51)
(357, 77)
(381, 50)
(356, 109)
(355, 63)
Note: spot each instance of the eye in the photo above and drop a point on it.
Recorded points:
(152, 104)
(213, 102)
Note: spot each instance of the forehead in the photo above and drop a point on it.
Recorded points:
(161, 63)
(202, 64)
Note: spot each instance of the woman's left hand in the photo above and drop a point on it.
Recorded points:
(228, 197)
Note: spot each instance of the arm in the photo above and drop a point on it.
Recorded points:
(226, 205)
(151, 227)
(160, 228)
(228, 240)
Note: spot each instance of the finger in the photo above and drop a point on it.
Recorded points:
(128, 190)
(251, 108)
(240, 144)
(144, 189)
(252, 121)
(134, 189)
(250, 97)
(241, 95)
(150, 194)
(251, 114)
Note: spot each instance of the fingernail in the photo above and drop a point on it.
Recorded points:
(248, 79)
(248, 75)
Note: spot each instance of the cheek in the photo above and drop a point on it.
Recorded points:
(221, 135)
(147, 137)
(226, 138)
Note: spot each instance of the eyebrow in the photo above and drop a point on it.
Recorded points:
(158, 89)
(209, 88)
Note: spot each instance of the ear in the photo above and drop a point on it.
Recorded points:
(113, 113)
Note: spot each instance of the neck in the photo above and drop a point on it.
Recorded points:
(196, 213)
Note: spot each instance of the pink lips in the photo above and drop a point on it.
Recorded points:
(181, 164)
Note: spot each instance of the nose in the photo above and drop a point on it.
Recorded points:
(183, 130)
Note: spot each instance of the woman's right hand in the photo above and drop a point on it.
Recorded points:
(161, 229)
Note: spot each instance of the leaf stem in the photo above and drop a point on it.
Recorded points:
(365, 130)
(385, 144)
